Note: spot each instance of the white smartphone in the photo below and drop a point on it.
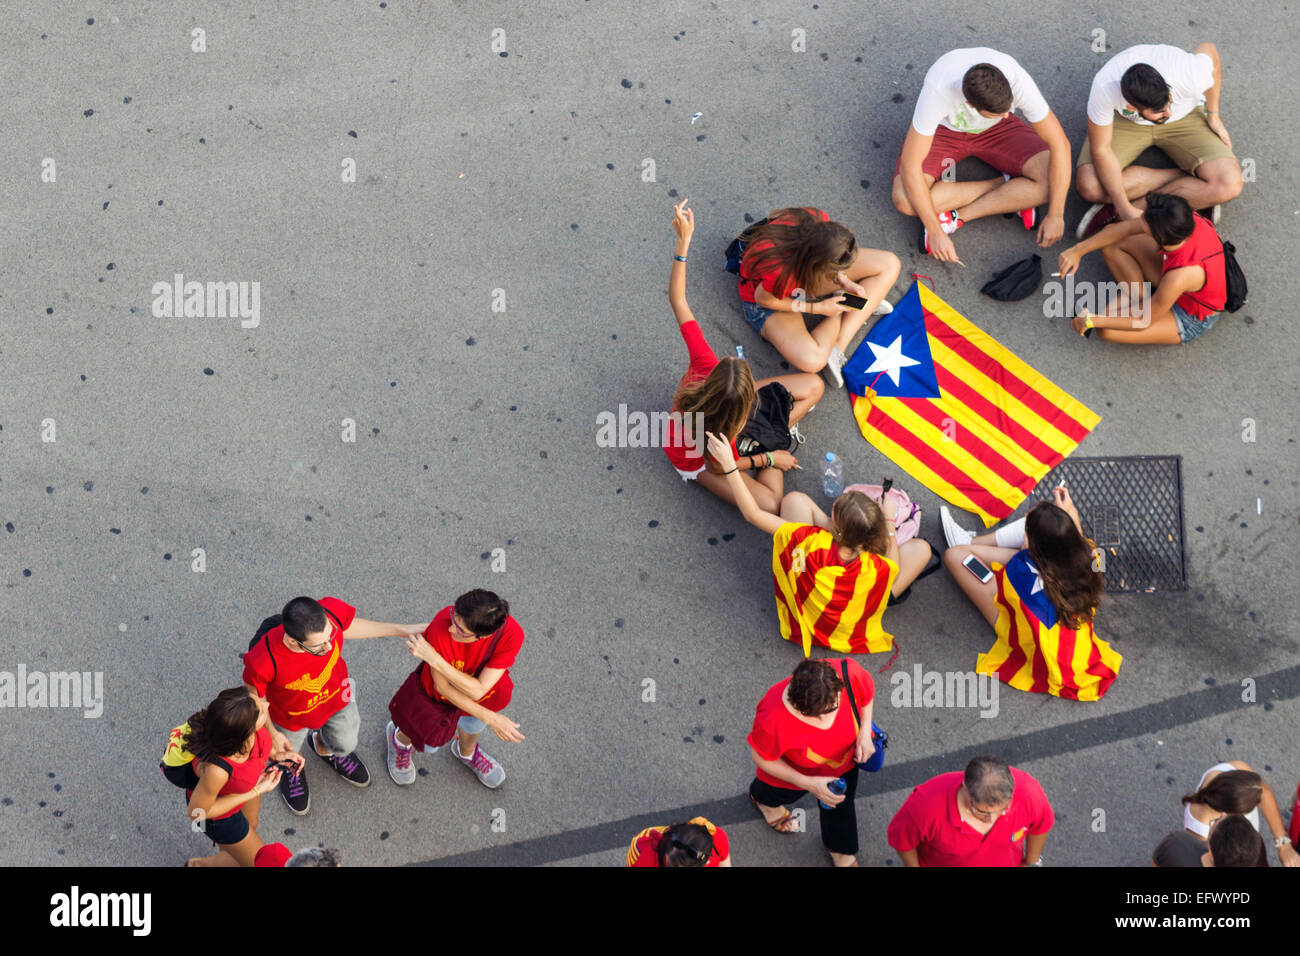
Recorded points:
(975, 567)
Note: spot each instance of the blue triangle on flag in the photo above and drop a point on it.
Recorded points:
(897, 344)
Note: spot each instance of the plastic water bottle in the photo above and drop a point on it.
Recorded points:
(832, 476)
(740, 352)
(836, 786)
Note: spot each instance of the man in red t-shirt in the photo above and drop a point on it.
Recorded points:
(467, 651)
(298, 668)
(992, 815)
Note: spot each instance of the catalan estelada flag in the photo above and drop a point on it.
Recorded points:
(819, 599)
(1034, 651)
(957, 410)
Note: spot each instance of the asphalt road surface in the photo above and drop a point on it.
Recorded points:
(512, 168)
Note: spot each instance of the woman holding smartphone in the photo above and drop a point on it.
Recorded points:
(234, 742)
(721, 394)
(1035, 582)
(834, 575)
(794, 267)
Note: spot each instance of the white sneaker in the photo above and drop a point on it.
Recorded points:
(400, 767)
(954, 533)
(835, 362)
(1216, 213)
(884, 308)
(490, 773)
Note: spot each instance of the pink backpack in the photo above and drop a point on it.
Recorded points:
(908, 522)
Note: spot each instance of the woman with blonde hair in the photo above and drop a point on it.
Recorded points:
(833, 575)
(719, 396)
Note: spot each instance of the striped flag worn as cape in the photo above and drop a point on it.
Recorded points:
(1034, 650)
(957, 410)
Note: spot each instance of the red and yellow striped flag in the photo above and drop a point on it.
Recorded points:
(1034, 650)
(819, 599)
(957, 410)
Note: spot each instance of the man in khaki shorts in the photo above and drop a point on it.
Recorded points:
(1164, 97)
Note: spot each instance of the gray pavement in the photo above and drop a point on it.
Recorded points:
(476, 429)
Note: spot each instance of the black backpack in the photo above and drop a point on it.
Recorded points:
(1234, 280)
(768, 429)
(271, 623)
(736, 251)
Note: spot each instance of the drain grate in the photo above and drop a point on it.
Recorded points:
(1132, 507)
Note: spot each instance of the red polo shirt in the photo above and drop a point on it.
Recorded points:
(929, 822)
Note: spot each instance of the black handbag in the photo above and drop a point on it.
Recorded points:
(768, 429)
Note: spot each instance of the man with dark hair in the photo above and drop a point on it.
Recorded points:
(1233, 841)
(298, 668)
(467, 652)
(1156, 95)
(965, 109)
(991, 815)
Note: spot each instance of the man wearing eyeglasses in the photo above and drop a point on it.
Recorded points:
(298, 668)
(991, 815)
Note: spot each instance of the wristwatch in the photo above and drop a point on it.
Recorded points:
(1280, 841)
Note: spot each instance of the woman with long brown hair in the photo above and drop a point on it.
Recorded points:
(234, 744)
(833, 575)
(719, 395)
(794, 267)
(1035, 583)
(1233, 787)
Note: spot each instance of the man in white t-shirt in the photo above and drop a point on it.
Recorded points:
(1152, 95)
(965, 109)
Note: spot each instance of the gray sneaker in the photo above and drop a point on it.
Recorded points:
(400, 767)
(490, 773)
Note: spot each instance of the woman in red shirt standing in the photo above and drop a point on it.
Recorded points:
(797, 257)
(805, 737)
(720, 395)
(1178, 253)
(233, 745)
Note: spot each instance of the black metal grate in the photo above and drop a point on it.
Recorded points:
(1132, 507)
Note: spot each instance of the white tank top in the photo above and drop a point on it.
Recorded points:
(1202, 830)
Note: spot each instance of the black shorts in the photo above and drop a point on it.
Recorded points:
(839, 826)
(228, 830)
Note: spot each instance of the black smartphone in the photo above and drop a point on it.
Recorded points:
(852, 301)
(975, 567)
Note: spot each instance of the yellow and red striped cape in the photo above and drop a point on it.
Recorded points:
(819, 599)
(1035, 651)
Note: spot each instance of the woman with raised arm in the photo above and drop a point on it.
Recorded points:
(720, 395)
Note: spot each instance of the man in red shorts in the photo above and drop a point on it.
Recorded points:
(992, 815)
(965, 109)
(467, 651)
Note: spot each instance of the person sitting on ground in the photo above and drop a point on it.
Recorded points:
(806, 737)
(1151, 95)
(234, 742)
(1040, 600)
(1232, 841)
(696, 843)
(833, 575)
(796, 264)
(965, 109)
(1169, 247)
(1232, 787)
(723, 395)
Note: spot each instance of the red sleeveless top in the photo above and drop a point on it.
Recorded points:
(1203, 248)
(243, 776)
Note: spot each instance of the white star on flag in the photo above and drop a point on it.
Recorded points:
(890, 360)
(1038, 580)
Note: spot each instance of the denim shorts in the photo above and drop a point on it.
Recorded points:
(755, 315)
(1189, 326)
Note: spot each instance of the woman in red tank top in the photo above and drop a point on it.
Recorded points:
(1169, 268)
(234, 743)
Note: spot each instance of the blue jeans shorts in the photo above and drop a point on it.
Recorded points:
(1189, 327)
(755, 315)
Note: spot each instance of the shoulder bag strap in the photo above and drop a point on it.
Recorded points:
(848, 685)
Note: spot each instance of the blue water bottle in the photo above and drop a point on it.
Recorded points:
(836, 786)
(832, 476)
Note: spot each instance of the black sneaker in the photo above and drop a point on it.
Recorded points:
(293, 787)
(350, 768)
